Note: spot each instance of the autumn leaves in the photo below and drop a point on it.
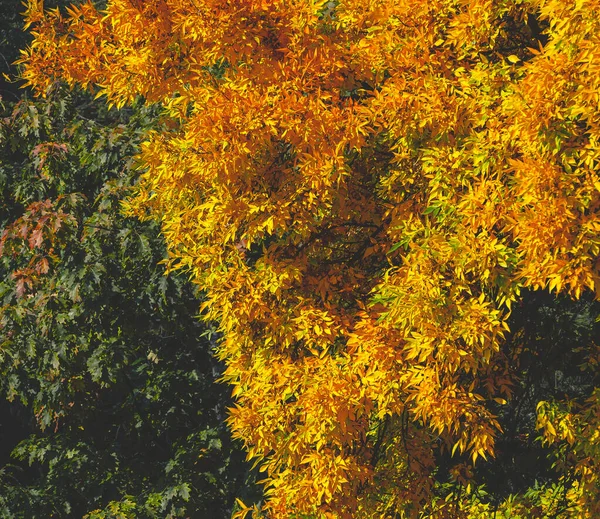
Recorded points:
(397, 173)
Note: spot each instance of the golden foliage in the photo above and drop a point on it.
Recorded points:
(362, 189)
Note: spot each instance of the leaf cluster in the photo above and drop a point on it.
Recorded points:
(112, 409)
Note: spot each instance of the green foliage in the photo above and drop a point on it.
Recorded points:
(109, 372)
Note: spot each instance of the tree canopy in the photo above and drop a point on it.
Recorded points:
(366, 192)
(109, 406)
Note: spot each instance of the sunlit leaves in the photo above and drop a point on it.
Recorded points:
(362, 189)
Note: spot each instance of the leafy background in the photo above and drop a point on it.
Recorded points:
(109, 402)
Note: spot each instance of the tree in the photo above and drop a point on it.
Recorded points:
(114, 408)
(364, 191)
